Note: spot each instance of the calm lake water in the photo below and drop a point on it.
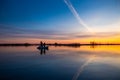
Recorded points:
(60, 63)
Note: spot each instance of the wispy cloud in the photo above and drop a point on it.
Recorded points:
(7, 32)
(98, 35)
(75, 13)
(15, 32)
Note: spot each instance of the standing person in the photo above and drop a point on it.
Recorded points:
(41, 43)
(44, 44)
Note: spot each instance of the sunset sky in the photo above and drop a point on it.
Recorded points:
(66, 21)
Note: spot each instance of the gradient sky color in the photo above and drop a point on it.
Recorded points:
(52, 21)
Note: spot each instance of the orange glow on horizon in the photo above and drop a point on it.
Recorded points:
(115, 39)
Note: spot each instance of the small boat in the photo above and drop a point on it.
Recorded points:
(42, 47)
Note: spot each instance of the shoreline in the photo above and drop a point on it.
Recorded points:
(60, 44)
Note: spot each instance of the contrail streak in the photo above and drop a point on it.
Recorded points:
(75, 77)
(72, 9)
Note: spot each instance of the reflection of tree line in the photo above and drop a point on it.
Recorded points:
(43, 51)
(73, 45)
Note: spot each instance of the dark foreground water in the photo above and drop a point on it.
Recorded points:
(60, 63)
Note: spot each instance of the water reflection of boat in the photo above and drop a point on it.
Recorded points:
(42, 47)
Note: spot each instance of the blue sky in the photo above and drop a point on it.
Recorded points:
(53, 17)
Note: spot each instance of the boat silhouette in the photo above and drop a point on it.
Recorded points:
(42, 47)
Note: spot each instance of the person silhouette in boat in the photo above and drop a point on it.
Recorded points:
(41, 44)
(42, 47)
